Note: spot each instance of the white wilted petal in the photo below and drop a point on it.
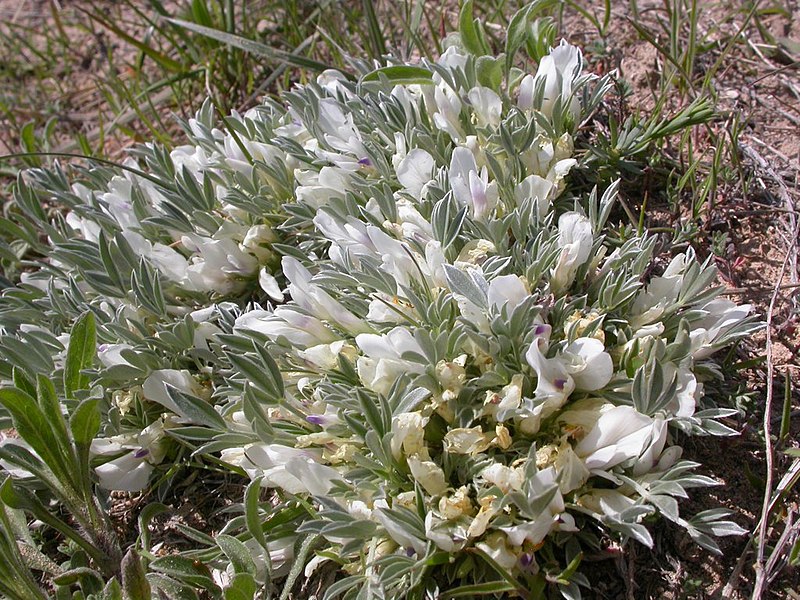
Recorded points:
(269, 285)
(466, 440)
(110, 354)
(506, 478)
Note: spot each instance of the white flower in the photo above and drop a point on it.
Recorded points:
(581, 416)
(590, 366)
(536, 527)
(408, 432)
(471, 187)
(446, 109)
(659, 294)
(119, 203)
(204, 330)
(506, 291)
(269, 285)
(331, 81)
(217, 264)
(110, 354)
(338, 128)
(326, 356)
(169, 262)
(537, 190)
(503, 293)
(722, 316)
(237, 457)
(688, 392)
(553, 383)
(130, 471)
(575, 240)
(413, 226)
(155, 388)
(300, 329)
(550, 160)
(316, 301)
(255, 240)
(450, 536)
(383, 362)
(415, 171)
(651, 455)
(556, 75)
(88, 229)
(429, 475)
(487, 105)
(318, 187)
(294, 470)
(352, 240)
(621, 434)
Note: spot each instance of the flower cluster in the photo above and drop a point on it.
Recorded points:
(387, 300)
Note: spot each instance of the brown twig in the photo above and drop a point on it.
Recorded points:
(762, 574)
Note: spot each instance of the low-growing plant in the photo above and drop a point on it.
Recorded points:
(386, 300)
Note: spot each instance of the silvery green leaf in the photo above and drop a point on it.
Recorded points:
(470, 283)
(195, 409)
(238, 554)
(447, 219)
(633, 530)
(714, 427)
(666, 505)
(411, 400)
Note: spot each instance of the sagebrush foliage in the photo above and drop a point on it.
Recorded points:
(383, 299)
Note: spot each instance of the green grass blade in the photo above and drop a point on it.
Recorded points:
(377, 41)
(161, 59)
(252, 46)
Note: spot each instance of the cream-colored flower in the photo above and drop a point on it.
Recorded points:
(463, 440)
(456, 505)
(489, 506)
(506, 478)
(408, 434)
(502, 437)
(496, 545)
(429, 475)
